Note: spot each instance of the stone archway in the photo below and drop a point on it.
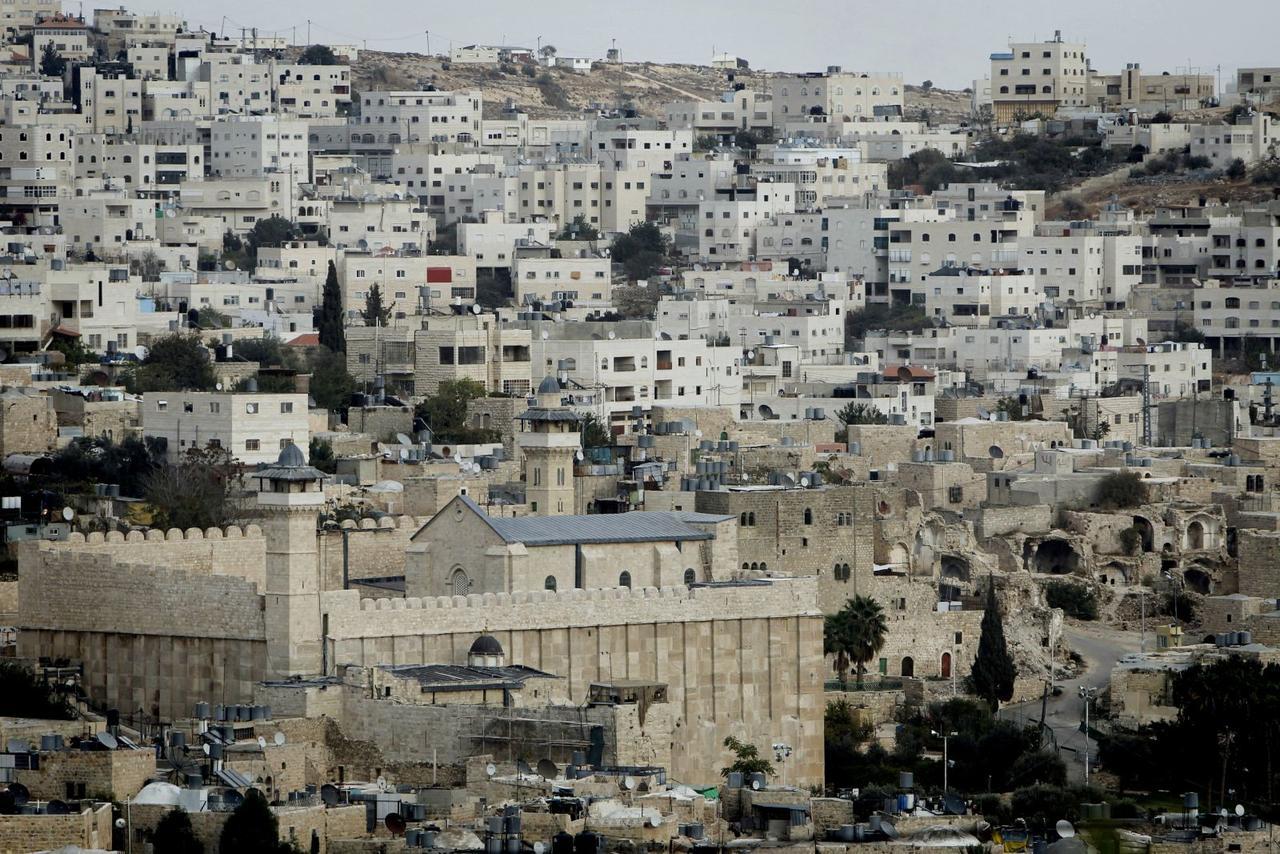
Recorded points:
(1197, 579)
(908, 666)
(945, 665)
(1056, 557)
(955, 577)
(1146, 531)
(1195, 535)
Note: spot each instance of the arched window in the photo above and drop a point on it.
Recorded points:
(550, 583)
(459, 582)
(690, 577)
(751, 519)
(808, 516)
(742, 520)
(624, 580)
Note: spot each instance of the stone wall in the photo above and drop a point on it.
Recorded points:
(375, 549)
(745, 660)
(1259, 572)
(151, 638)
(1002, 521)
(28, 424)
(233, 551)
(99, 774)
(297, 824)
(89, 828)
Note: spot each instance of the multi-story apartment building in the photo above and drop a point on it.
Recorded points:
(1184, 89)
(638, 145)
(144, 168)
(815, 326)
(611, 201)
(583, 281)
(1250, 140)
(106, 223)
(494, 240)
(67, 36)
(414, 360)
(726, 226)
(518, 134)
(1082, 266)
(412, 281)
(37, 172)
(391, 117)
(1237, 316)
(1246, 244)
(21, 14)
(1038, 78)
(820, 174)
(966, 297)
(110, 100)
(259, 146)
(736, 111)
(613, 369)
(230, 83)
(313, 91)
(253, 428)
(839, 96)
(1257, 85)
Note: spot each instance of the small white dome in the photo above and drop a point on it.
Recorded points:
(159, 794)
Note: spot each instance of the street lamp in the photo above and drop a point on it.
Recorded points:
(781, 751)
(946, 761)
(1087, 694)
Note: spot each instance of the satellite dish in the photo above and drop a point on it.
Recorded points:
(141, 352)
(490, 769)
(522, 767)
(108, 740)
(628, 783)
(577, 455)
(262, 742)
(888, 829)
(279, 739)
(229, 264)
(1240, 809)
(457, 458)
(654, 821)
(395, 823)
(170, 213)
(329, 794)
(382, 784)
(403, 439)
(218, 386)
(545, 335)
(20, 794)
(612, 335)
(539, 847)
(547, 769)
(697, 434)
(804, 481)
(206, 749)
(120, 824)
(475, 308)
(1065, 829)
(68, 514)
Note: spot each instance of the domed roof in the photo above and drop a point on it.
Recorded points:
(291, 455)
(486, 645)
(158, 794)
(549, 385)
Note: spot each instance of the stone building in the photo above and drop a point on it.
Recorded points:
(548, 443)
(75, 773)
(28, 423)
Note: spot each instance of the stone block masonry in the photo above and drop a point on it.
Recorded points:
(743, 660)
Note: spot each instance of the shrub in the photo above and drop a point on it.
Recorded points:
(1236, 169)
(1180, 605)
(1075, 600)
(1120, 490)
(1130, 540)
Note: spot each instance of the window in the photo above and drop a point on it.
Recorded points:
(690, 577)
(286, 408)
(251, 444)
(549, 583)
(624, 580)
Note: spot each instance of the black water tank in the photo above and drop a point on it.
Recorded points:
(562, 843)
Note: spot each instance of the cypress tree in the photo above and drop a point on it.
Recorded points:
(993, 669)
(330, 322)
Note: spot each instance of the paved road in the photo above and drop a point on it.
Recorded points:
(1101, 648)
(694, 95)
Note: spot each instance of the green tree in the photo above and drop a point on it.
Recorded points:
(174, 834)
(253, 827)
(594, 433)
(861, 628)
(376, 313)
(993, 669)
(861, 413)
(1121, 490)
(1236, 170)
(642, 250)
(579, 229)
(201, 491)
(330, 322)
(747, 758)
(1163, 117)
(837, 641)
(73, 350)
(895, 318)
(1012, 407)
(176, 362)
(1187, 333)
(271, 231)
(1075, 600)
(25, 695)
(446, 410)
(318, 54)
(320, 455)
(52, 63)
(268, 351)
(331, 384)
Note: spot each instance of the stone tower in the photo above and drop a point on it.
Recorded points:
(549, 441)
(291, 498)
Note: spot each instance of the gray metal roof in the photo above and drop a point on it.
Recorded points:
(456, 677)
(637, 527)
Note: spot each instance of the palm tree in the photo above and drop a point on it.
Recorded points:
(865, 628)
(836, 639)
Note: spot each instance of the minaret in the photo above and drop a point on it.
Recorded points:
(290, 499)
(549, 441)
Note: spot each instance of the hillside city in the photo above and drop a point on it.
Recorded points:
(491, 449)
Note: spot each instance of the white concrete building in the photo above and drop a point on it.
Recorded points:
(253, 428)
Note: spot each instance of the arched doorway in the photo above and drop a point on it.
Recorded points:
(1195, 535)
(946, 665)
(1146, 531)
(1056, 557)
(1198, 580)
(908, 666)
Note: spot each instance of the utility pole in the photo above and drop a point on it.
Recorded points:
(1087, 694)
(1146, 404)
(946, 761)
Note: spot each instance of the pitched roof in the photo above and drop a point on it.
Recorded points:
(636, 527)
